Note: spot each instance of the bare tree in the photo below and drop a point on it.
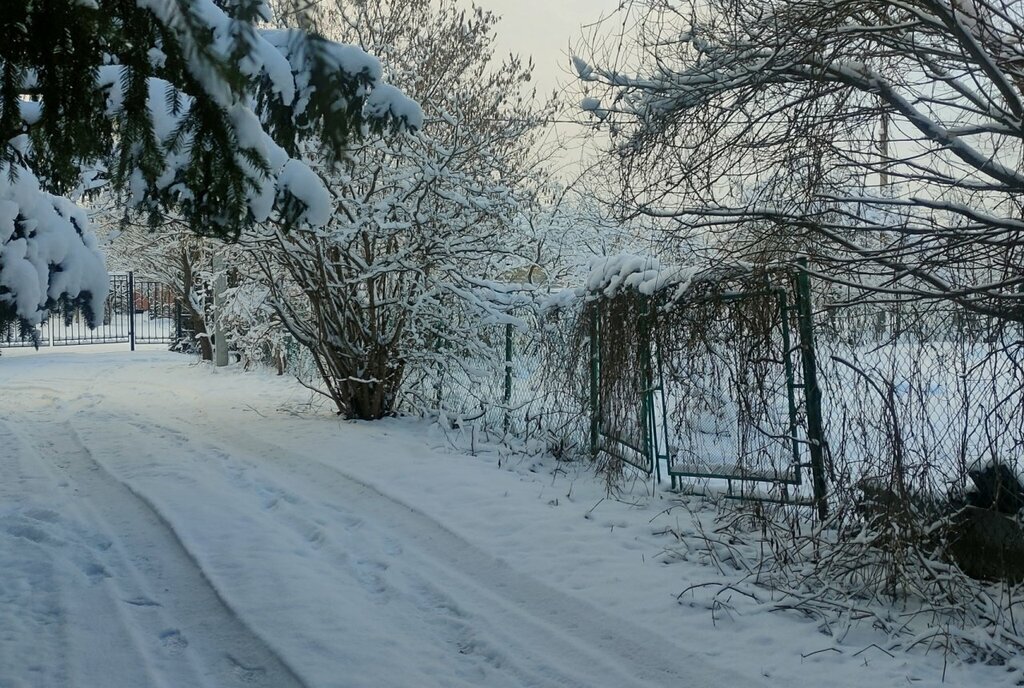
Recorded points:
(883, 137)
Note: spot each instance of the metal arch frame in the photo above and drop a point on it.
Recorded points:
(656, 450)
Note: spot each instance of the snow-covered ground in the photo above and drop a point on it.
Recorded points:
(164, 523)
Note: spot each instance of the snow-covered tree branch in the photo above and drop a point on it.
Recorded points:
(182, 105)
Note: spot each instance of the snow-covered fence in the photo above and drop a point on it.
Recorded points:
(709, 371)
(701, 384)
(705, 372)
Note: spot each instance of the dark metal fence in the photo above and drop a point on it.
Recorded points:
(158, 315)
(137, 311)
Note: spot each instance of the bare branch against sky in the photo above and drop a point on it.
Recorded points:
(544, 30)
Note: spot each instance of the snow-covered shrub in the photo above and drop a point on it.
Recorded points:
(403, 266)
(253, 330)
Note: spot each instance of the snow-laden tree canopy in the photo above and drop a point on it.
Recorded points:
(184, 105)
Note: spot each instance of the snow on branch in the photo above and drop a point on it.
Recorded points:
(186, 108)
(200, 108)
(46, 252)
(610, 276)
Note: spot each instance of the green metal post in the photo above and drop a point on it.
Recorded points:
(595, 380)
(507, 398)
(647, 383)
(664, 421)
(815, 429)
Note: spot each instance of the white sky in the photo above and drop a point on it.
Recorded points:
(544, 29)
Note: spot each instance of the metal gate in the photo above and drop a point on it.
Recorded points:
(623, 422)
(136, 311)
(721, 385)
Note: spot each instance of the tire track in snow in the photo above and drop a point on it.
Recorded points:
(144, 581)
(514, 625)
(34, 628)
(500, 627)
(97, 644)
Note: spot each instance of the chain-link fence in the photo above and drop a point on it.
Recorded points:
(920, 393)
(523, 385)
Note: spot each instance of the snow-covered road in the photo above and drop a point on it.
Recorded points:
(149, 538)
(121, 587)
(170, 524)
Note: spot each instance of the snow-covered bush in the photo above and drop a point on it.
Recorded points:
(402, 265)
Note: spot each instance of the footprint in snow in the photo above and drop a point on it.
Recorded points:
(96, 572)
(173, 641)
(247, 674)
(316, 537)
(44, 515)
(28, 532)
(369, 574)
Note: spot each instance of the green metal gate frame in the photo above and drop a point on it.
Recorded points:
(781, 296)
(600, 440)
(655, 449)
